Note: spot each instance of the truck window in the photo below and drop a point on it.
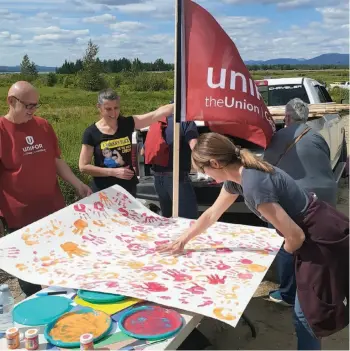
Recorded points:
(280, 95)
(321, 90)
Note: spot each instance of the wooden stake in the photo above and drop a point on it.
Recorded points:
(177, 107)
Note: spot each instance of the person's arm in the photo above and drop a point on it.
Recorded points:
(64, 172)
(207, 219)
(86, 167)
(294, 236)
(192, 143)
(142, 121)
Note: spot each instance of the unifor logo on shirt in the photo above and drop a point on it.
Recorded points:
(32, 147)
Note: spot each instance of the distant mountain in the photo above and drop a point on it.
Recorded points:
(325, 59)
(15, 69)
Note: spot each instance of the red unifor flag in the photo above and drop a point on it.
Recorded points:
(216, 86)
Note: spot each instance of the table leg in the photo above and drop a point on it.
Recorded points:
(250, 324)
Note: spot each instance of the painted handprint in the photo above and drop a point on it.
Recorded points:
(98, 223)
(82, 211)
(21, 267)
(100, 208)
(196, 289)
(214, 279)
(80, 225)
(30, 238)
(55, 229)
(222, 250)
(104, 199)
(152, 287)
(96, 240)
(117, 219)
(206, 301)
(129, 214)
(221, 266)
(10, 252)
(73, 249)
(178, 276)
(153, 268)
(122, 200)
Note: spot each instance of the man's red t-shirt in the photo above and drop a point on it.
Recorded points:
(29, 187)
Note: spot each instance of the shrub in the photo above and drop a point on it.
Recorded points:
(150, 82)
(68, 191)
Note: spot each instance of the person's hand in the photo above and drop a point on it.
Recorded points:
(122, 173)
(83, 190)
(292, 245)
(176, 247)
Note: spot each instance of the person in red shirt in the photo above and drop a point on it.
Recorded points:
(29, 164)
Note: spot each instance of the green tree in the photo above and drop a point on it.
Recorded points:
(90, 76)
(29, 71)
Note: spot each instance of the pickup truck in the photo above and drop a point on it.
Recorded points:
(340, 85)
(275, 92)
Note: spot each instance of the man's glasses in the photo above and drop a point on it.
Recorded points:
(27, 106)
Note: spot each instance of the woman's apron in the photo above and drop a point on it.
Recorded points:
(322, 268)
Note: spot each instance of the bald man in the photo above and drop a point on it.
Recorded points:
(29, 164)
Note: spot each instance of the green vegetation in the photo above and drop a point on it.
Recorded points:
(28, 69)
(70, 109)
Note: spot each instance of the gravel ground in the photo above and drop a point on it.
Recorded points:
(273, 322)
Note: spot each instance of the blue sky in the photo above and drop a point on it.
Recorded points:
(50, 31)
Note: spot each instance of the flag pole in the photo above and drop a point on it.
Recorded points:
(177, 106)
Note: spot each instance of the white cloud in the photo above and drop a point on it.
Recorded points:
(57, 34)
(287, 4)
(127, 26)
(101, 19)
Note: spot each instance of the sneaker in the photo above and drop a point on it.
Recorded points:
(275, 296)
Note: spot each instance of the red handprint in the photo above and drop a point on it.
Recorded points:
(99, 206)
(178, 276)
(165, 297)
(149, 219)
(81, 208)
(154, 268)
(105, 253)
(138, 228)
(245, 276)
(122, 200)
(134, 247)
(162, 242)
(215, 279)
(221, 266)
(246, 261)
(196, 289)
(206, 303)
(96, 240)
(153, 287)
(112, 284)
(12, 252)
(129, 214)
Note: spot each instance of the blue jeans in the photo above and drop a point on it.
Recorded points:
(188, 207)
(286, 274)
(306, 337)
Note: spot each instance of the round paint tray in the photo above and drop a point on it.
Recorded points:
(150, 322)
(99, 297)
(66, 330)
(41, 310)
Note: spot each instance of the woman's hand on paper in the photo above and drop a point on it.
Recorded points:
(176, 247)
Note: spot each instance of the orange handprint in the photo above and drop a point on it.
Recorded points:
(105, 199)
(21, 267)
(80, 225)
(73, 249)
(99, 223)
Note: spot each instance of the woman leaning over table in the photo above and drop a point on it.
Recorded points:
(109, 142)
(315, 232)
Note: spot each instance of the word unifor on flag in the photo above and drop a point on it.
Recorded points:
(216, 85)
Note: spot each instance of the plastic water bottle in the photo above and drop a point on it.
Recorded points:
(7, 303)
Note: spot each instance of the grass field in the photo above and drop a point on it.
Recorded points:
(70, 110)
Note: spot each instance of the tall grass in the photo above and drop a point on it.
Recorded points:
(70, 110)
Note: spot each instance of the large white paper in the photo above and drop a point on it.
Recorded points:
(107, 242)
